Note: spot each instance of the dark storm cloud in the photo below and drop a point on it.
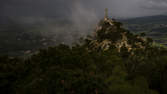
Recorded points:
(35, 7)
(160, 5)
(64, 8)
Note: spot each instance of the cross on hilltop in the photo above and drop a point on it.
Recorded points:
(106, 13)
(106, 17)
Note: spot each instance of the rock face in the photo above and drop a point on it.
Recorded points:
(110, 33)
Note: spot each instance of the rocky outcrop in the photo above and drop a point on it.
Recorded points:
(110, 33)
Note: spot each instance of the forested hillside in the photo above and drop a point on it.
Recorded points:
(112, 61)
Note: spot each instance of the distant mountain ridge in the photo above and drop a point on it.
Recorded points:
(146, 19)
(154, 27)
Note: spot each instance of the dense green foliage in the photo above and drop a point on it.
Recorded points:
(65, 70)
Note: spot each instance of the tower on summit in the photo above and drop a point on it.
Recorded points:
(106, 14)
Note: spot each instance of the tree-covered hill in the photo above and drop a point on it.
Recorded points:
(112, 61)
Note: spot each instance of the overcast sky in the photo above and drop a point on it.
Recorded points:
(66, 8)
